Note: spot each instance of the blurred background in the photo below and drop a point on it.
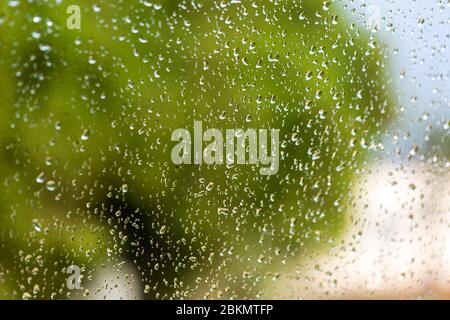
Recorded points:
(92, 90)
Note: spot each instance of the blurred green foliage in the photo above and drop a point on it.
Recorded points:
(85, 145)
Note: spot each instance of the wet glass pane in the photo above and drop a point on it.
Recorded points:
(224, 149)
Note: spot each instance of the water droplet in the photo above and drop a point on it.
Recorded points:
(40, 178)
(26, 296)
(51, 185)
(36, 226)
(85, 135)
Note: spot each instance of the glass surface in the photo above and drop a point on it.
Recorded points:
(224, 149)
